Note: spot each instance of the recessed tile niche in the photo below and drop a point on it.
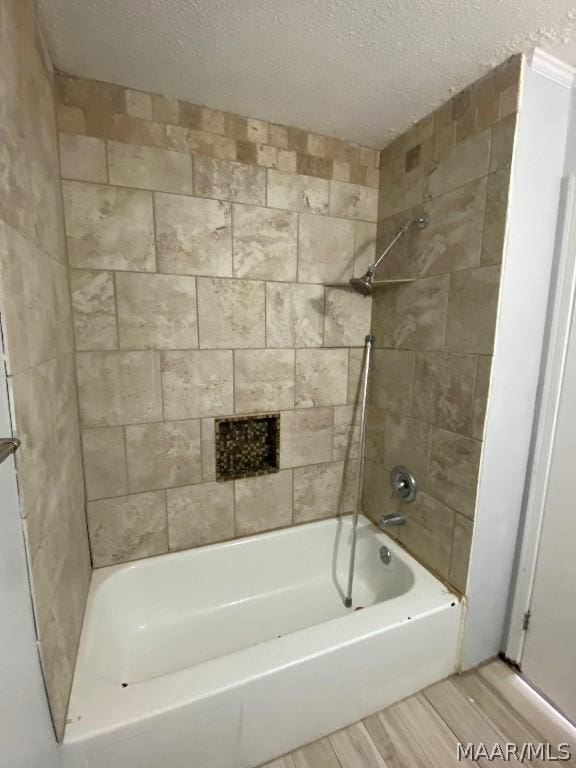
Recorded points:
(247, 446)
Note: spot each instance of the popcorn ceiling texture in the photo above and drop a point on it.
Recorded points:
(361, 71)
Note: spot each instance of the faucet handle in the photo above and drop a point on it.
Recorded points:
(403, 484)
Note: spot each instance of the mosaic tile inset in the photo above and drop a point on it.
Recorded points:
(247, 446)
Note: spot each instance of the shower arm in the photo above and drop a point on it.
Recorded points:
(371, 270)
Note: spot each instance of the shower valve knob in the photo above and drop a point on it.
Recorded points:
(403, 485)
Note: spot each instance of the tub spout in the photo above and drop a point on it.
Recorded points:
(386, 521)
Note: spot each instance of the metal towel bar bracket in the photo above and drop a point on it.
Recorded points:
(7, 447)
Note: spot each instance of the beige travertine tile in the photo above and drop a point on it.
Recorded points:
(428, 532)
(509, 101)
(313, 166)
(347, 318)
(30, 391)
(139, 104)
(109, 228)
(118, 387)
(472, 306)
(156, 311)
(401, 262)
(293, 192)
(266, 156)
(376, 496)
(453, 238)
(355, 367)
(149, 168)
(318, 145)
(502, 143)
(188, 523)
(453, 470)
(70, 119)
(399, 189)
(306, 436)
(134, 131)
(265, 243)
(35, 303)
(346, 432)
(481, 395)
(353, 201)
(391, 380)
(82, 158)
(375, 433)
(105, 469)
(294, 315)
(278, 136)
(231, 313)
(208, 450)
(163, 455)
(94, 309)
(263, 503)
(286, 161)
(413, 315)
(465, 162)
(213, 145)
(322, 490)
(444, 390)
(297, 139)
(461, 545)
(325, 249)
(495, 221)
(406, 442)
(127, 528)
(321, 377)
(228, 180)
(257, 130)
(197, 383)
(165, 110)
(263, 380)
(193, 235)
(47, 527)
(56, 638)
(364, 247)
(212, 120)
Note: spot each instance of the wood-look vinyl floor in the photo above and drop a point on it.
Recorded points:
(490, 705)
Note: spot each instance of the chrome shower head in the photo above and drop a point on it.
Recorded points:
(363, 285)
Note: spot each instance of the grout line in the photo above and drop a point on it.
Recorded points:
(206, 275)
(127, 473)
(116, 315)
(155, 233)
(197, 196)
(197, 294)
(234, 380)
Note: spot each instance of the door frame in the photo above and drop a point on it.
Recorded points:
(563, 295)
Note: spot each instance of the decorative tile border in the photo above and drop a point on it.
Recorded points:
(109, 111)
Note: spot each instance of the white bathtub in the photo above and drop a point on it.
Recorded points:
(230, 655)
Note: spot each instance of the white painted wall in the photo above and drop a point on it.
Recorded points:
(26, 735)
(527, 272)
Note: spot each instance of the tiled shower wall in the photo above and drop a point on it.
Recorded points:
(38, 339)
(435, 335)
(203, 248)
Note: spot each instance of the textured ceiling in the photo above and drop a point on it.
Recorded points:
(363, 70)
